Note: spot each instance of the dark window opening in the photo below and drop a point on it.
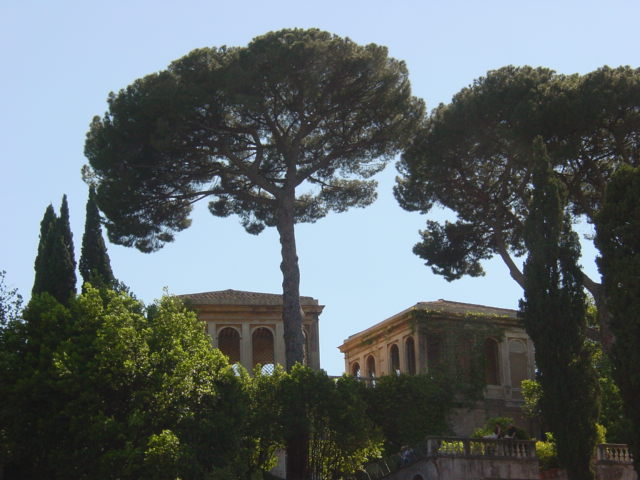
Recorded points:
(229, 344)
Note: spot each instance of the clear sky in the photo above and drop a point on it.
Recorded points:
(61, 58)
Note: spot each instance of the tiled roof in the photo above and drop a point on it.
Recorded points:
(464, 308)
(239, 297)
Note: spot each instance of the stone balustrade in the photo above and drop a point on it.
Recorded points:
(481, 447)
(613, 453)
(485, 455)
(478, 449)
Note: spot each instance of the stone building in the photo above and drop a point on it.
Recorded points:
(248, 328)
(461, 338)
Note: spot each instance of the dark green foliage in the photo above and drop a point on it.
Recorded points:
(265, 418)
(451, 250)
(473, 156)
(10, 303)
(282, 131)
(617, 427)
(10, 320)
(28, 389)
(65, 229)
(461, 351)
(469, 158)
(113, 394)
(618, 239)
(55, 266)
(554, 312)
(95, 266)
(306, 410)
(409, 407)
(295, 99)
(612, 413)
(328, 418)
(40, 266)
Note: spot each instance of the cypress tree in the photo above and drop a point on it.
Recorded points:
(554, 312)
(95, 266)
(48, 222)
(65, 230)
(618, 239)
(55, 263)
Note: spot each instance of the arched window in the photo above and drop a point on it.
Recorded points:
(394, 360)
(355, 369)
(410, 352)
(371, 367)
(491, 362)
(434, 351)
(262, 347)
(229, 343)
(463, 352)
(517, 362)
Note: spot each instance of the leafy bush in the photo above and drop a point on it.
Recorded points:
(409, 407)
(137, 396)
(546, 453)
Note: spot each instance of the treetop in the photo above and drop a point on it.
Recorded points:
(250, 126)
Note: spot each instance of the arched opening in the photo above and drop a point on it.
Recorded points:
(355, 370)
(417, 477)
(410, 352)
(463, 352)
(491, 362)
(229, 343)
(517, 362)
(262, 349)
(394, 360)
(371, 369)
(434, 351)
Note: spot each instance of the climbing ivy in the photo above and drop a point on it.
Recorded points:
(460, 333)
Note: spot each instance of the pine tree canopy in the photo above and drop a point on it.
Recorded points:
(282, 131)
(473, 156)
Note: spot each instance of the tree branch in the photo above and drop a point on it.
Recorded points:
(514, 271)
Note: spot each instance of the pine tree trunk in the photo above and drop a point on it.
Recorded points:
(298, 457)
(297, 446)
(291, 309)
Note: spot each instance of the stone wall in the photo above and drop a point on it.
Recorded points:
(454, 468)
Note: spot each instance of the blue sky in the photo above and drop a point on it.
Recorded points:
(61, 59)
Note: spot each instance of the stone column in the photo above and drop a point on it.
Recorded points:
(314, 345)
(246, 358)
(212, 330)
(279, 354)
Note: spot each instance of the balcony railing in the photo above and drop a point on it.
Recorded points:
(433, 447)
(613, 453)
(480, 447)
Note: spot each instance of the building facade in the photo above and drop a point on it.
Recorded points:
(247, 326)
(463, 339)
